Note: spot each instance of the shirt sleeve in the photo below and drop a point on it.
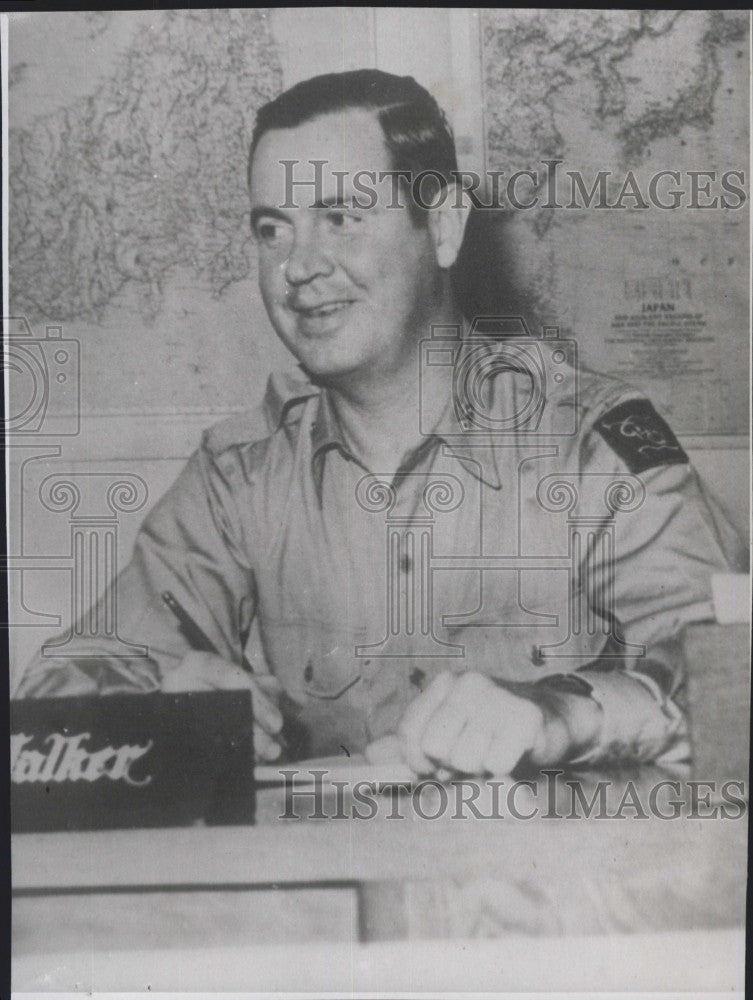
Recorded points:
(191, 544)
(657, 575)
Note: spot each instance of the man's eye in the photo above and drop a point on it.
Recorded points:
(339, 219)
(271, 234)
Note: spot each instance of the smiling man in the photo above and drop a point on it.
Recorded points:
(411, 581)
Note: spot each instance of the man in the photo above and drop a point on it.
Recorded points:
(380, 628)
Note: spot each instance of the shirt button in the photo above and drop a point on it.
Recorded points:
(538, 658)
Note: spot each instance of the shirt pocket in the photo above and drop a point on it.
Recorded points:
(312, 658)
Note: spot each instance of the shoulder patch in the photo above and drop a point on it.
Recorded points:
(641, 437)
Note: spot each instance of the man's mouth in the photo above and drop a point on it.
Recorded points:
(322, 308)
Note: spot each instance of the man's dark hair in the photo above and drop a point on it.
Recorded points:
(415, 128)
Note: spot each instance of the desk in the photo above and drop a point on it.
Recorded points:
(708, 963)
(556, 885)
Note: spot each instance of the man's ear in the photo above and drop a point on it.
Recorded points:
(447, 224)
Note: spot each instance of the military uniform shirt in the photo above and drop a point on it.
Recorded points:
(578, 542)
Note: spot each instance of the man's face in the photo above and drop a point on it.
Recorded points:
(350, 291)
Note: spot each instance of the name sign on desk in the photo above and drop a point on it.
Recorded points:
(131, 761)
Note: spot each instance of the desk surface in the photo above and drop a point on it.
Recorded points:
(546, 850)
(351, 851)
(549, 878)
(673, 964)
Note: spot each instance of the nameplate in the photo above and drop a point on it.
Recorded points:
(123, 761)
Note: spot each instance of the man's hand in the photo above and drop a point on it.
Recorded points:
(464, 723)
(209, 672)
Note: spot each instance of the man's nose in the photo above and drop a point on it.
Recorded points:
(308, 259)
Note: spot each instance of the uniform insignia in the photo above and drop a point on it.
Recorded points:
(641, 438)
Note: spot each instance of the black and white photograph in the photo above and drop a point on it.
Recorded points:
(377, 463)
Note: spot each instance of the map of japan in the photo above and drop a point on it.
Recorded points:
(573, 95)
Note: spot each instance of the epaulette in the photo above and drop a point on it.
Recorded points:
(242, 428)
(282, 393)
(598, 393)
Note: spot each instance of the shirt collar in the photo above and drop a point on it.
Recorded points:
(452, 424)
(326, 432)
(475, 448)
(283, 391)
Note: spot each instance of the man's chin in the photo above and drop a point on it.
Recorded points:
(329, 376)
